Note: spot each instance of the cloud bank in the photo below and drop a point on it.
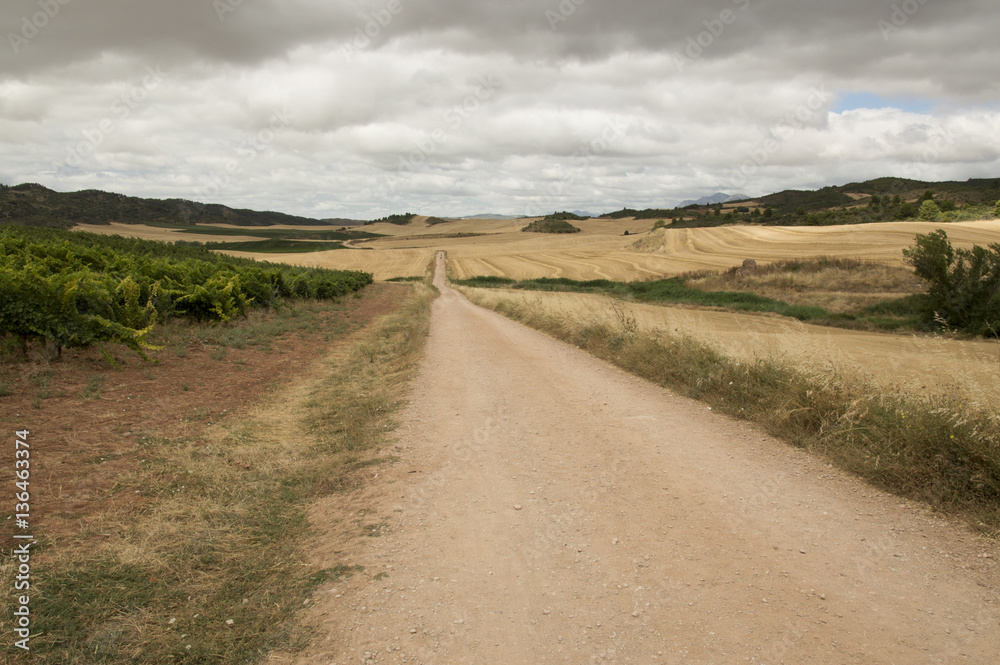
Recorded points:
(363, 108)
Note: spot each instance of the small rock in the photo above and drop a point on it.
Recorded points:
(517, 506)
(412, 631)
(636, 613)
(614, 541)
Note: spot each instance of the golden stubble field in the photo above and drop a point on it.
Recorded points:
(915, 364)
(600, 251)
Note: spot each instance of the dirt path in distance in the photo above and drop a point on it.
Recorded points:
(549, 508)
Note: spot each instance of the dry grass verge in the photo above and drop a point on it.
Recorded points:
(936, 450)
(836, 284)
(209, 567)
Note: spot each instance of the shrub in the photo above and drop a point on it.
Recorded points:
(964, 284)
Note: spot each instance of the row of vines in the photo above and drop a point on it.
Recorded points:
(79, 289)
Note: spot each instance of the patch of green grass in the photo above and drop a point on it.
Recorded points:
(43, 390)
(94, 385)
(42, 379)
(486, 281)
(260, 329)
(405, 279)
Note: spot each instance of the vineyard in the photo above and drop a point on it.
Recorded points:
(80, 289)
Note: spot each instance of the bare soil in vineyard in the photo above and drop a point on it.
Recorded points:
(92, 424)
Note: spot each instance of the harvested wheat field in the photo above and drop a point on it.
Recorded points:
(602, 252)
(723, 247)
(599, 251)
(384, 264)
(916, 364)
(155, 233)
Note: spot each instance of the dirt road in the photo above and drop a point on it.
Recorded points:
(549, 508)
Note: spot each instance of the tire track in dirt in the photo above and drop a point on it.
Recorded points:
(550, 508)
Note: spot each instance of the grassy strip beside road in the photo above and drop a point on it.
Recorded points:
(937, 450)
(897, 314)
(210, 564)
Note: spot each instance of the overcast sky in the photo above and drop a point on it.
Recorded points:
(360, 108)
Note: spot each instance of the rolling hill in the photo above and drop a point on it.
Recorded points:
(34, 205)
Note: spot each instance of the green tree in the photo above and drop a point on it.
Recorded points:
(996, 210)
(929, 211)
(964, 284)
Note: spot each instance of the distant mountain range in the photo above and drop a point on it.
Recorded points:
(35, 205)
(718, 197)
